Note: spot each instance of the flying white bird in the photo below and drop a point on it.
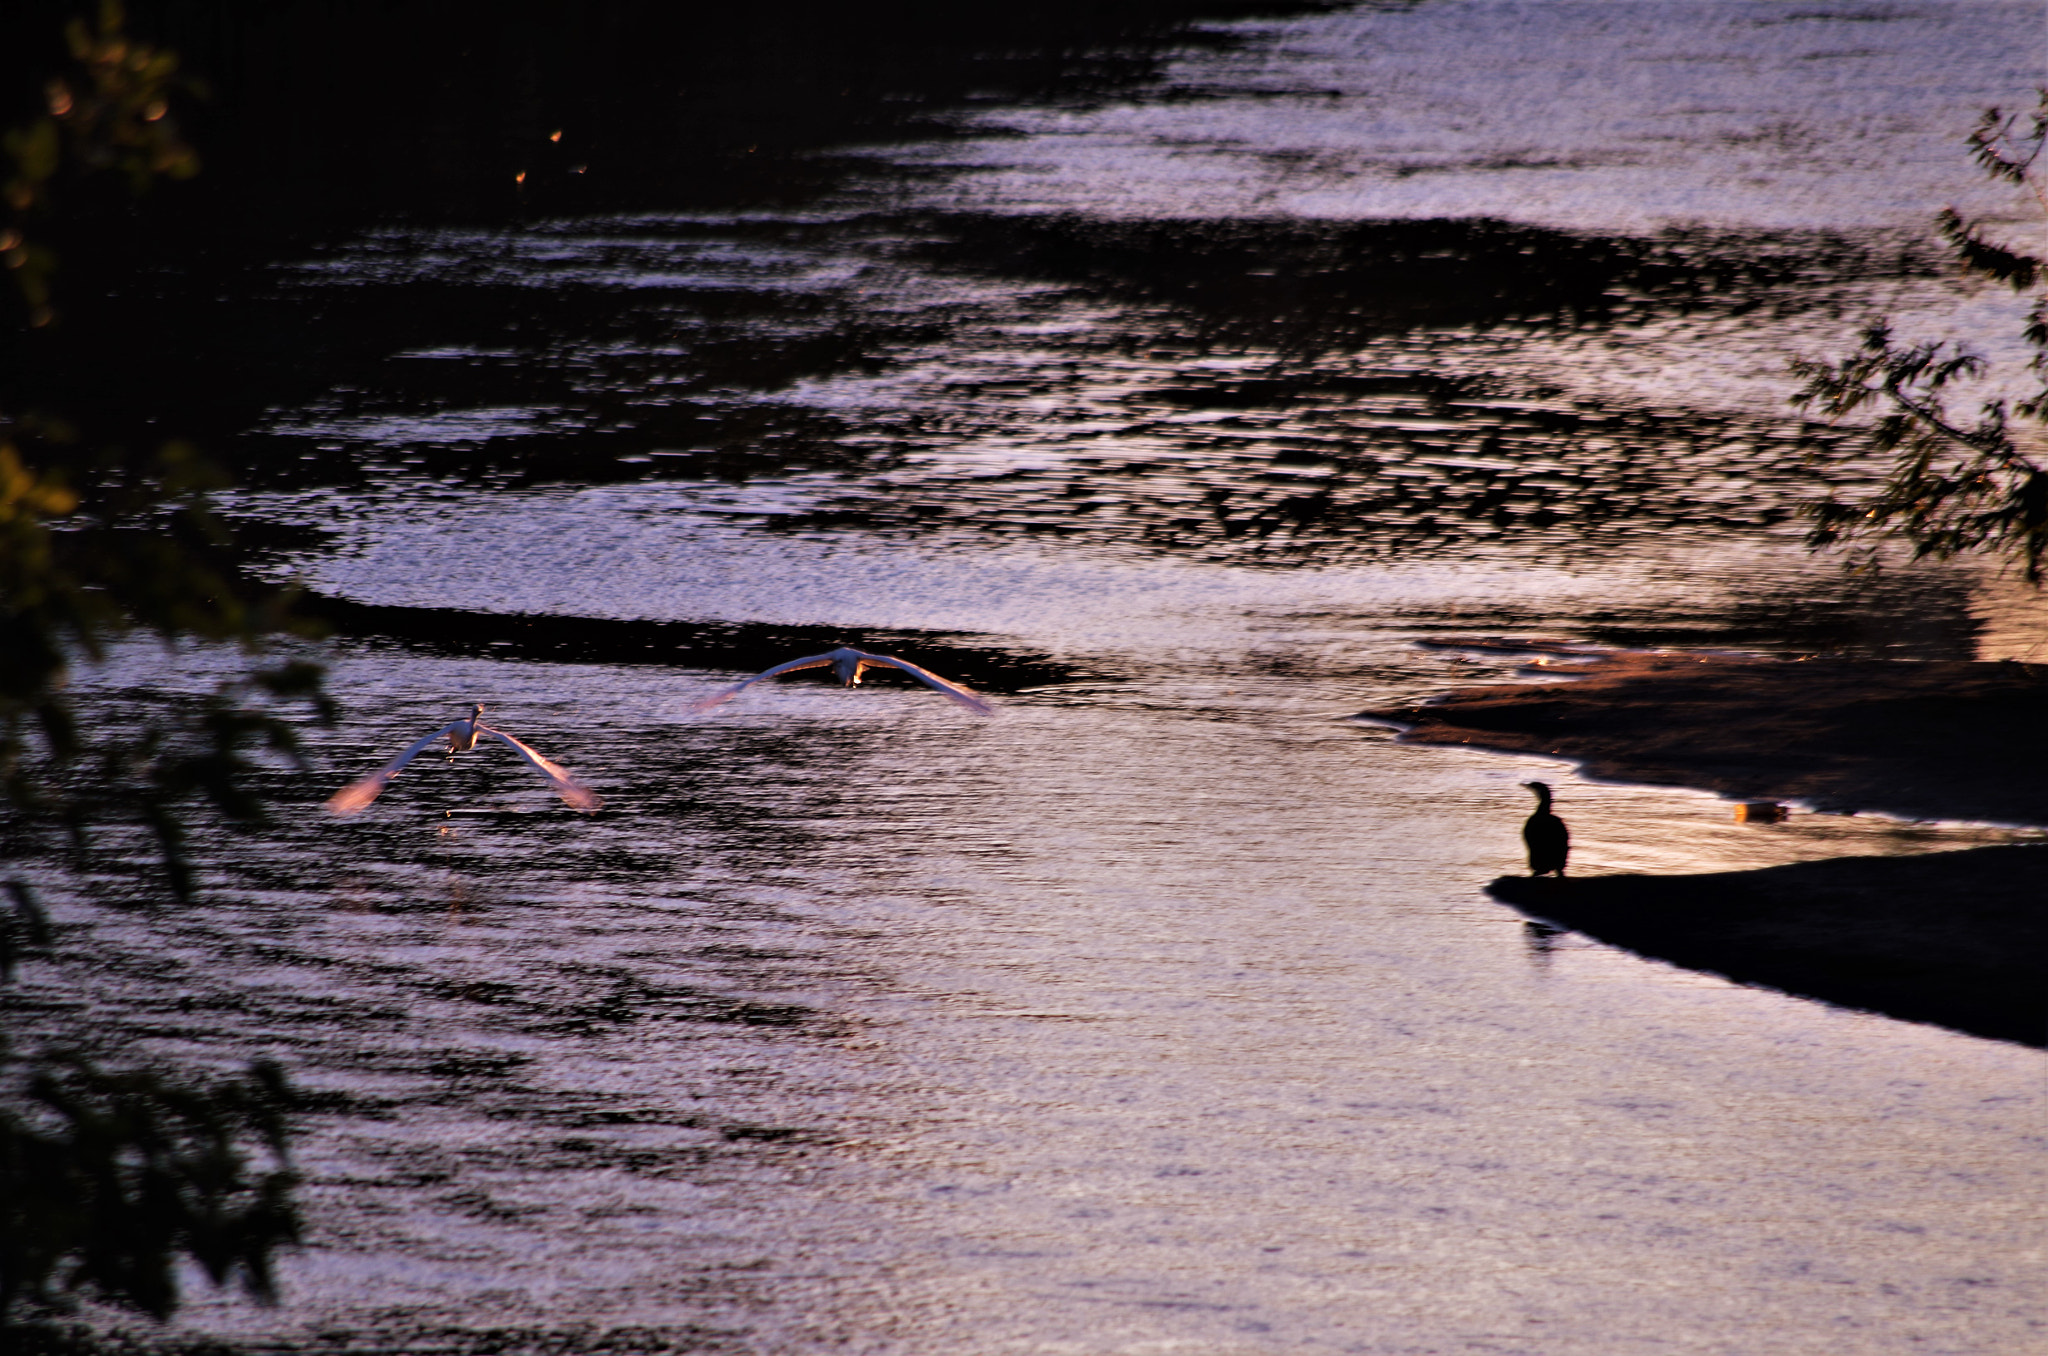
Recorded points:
(846, 666)
(461, 735)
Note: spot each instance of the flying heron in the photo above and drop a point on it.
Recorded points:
(461, 735)
(1548, 839)
(846, 666)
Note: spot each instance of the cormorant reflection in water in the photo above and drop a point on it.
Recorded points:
(1546, 836)
(1541, 939)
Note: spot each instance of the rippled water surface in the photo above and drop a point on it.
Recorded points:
(1163, 1011)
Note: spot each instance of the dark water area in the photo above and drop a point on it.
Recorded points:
(1165, 373)
(317, 118)
(328, 111)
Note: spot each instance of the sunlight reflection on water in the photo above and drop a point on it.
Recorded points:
(1585, 114)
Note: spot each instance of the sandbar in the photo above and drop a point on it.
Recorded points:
(1956, 938)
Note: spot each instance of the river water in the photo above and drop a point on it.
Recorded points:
(1162, 1011)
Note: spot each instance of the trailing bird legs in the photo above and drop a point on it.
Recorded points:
(461, 736)
(846, 666)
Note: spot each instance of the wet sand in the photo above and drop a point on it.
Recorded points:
(1956, 938)
(1952, 740)
(1953, 938)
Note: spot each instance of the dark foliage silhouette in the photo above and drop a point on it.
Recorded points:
(107, 1177)
(1956, 484)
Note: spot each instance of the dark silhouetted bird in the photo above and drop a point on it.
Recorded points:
(1548, 839)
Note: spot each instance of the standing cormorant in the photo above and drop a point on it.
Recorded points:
(1549, 841)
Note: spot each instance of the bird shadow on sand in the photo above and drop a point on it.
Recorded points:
(1957, 939)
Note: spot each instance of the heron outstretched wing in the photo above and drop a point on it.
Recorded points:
(958, 693)
(352, 799)
(568, 788)
(816, 661)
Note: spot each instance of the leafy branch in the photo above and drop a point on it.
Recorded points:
(1956, 484)
(107, 1177)
(99, 542)
(109, 114)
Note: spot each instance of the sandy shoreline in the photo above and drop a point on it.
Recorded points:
(1955, 938)
(1955, 740)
